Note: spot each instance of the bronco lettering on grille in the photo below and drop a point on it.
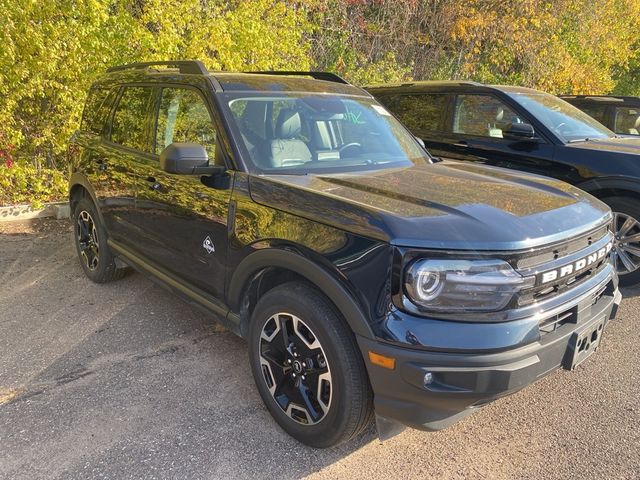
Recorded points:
(576, 266)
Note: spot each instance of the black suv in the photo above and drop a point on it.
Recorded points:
(309, 221)
(532, 131)
(619, 114)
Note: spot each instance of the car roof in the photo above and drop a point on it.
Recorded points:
(194, 73)
(444, 85)
(613, 99)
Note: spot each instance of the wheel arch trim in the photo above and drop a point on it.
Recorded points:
(324, 280)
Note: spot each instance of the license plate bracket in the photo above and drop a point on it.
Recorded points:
(583, 343)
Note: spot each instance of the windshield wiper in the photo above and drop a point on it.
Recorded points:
(579, 140)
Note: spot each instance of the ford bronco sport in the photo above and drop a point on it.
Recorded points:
(366, 278)
(531, 131)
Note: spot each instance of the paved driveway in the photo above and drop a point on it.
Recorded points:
(126, 381)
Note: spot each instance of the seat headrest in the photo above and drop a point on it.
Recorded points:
(254, 118)
(499, 114)
(288, 124)
(637, 124)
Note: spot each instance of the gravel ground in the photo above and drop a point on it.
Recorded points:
(126, 381)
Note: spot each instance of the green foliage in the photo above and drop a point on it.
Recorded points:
(52, 51)
(23, 183)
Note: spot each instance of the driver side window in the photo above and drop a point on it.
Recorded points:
(482, 116)
(184, 117)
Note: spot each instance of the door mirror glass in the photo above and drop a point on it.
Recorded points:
(519, 132)
(187, 159)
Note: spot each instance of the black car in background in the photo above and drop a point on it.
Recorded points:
(620, 114)
(532, 131)
(366, 278)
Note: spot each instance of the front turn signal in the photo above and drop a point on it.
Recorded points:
(382, 361)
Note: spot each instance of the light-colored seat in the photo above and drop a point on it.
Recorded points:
(287, 149)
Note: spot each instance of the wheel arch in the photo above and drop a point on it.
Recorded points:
(80, 187)
(611, 187)
(267, 268)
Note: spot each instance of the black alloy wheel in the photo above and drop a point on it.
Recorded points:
(295, 368)
(87, 238)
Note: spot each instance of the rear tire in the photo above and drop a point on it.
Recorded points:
(90, 238)
(307, 366)
(626, 252)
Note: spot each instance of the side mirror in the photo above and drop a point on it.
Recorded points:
(420, 141)
(519, 132)
(187, 159)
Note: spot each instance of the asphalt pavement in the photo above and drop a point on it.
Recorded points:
(126, 381)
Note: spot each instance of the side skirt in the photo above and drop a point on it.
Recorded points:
(187, 292)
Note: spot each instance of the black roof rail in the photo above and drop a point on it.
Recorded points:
(326, 76)
(185, 66)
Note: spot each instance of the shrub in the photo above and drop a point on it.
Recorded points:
(22, 183)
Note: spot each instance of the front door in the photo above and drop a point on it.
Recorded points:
(183, 218)
(475, 133)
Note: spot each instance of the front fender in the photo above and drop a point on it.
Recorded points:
(329, 283)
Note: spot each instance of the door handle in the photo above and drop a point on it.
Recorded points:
(101, 162)
(461, 144)
(155, 186)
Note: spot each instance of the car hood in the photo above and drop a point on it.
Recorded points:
(629, 145)
(443, 205)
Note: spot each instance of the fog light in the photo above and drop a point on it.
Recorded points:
(428, 379)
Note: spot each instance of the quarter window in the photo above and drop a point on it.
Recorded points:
(482, 115)
(184, 117)
(128, 127)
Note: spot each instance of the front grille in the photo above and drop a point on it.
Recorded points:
(549, 254)
(554, 264)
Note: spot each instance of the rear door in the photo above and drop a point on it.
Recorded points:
(425, 115)
(183, 218)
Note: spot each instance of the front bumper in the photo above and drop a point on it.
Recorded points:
(463, 380)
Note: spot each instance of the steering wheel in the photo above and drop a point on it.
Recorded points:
(348, 146)
(558, 127)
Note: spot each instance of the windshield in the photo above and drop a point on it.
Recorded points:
(560, 117)
(300, 133)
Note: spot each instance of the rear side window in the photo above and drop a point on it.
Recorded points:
(422, 114)
(599, 112)
(128, 125)
(184, 117)
(627, 120)
(96, 109)
(482, 116)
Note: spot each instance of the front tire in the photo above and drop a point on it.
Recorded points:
(307, 367)
(90, 239)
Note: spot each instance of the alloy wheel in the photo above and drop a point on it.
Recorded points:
(87, 237)
(626, 251)
(295, 368)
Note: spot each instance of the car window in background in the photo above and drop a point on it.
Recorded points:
(184, 118)
(567, 121)
(128, 126)
(627, 120)
(482, 115)
(598, 112)
(422, 114)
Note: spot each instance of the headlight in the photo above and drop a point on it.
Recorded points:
(463, 285)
